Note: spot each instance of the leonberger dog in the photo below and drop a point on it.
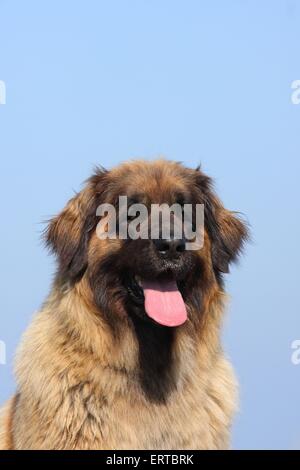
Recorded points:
(125, 353)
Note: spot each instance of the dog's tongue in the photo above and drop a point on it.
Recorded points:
(164, 303)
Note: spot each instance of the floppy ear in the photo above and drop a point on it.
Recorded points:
(227, 231)
(229, 236)
(67, 234)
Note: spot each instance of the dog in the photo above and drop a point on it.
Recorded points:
(125, 353)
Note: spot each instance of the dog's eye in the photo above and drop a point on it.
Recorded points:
(181, 203)
(182, 199)
(133, 213)
(132, 217)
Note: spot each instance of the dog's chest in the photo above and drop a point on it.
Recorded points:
(129, 422)
(166, 426)
(85, 417)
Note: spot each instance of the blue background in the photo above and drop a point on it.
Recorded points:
(198, 81)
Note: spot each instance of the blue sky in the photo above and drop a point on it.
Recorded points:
(198, 81)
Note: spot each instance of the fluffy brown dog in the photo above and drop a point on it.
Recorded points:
(95, 370)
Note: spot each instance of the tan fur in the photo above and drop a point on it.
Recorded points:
(6, 423)
(78, 384)
(83, 394)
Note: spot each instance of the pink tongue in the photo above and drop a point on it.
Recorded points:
(164, 303)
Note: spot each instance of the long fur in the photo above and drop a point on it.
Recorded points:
(89, 376)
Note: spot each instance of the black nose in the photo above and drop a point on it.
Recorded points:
(171, 246)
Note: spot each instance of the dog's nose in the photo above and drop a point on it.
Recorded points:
(170, 246)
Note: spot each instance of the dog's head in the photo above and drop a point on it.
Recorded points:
(153, 280)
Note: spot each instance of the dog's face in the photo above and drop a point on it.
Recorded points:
(156, 281)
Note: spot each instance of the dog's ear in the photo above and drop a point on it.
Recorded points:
(67, 234)
(227, 231)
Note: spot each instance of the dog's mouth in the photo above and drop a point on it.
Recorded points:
(161, 298)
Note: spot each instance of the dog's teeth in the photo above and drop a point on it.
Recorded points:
(138, 281)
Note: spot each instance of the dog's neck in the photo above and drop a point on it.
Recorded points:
(158, 359)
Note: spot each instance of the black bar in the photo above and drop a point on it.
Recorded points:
(140, 459)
